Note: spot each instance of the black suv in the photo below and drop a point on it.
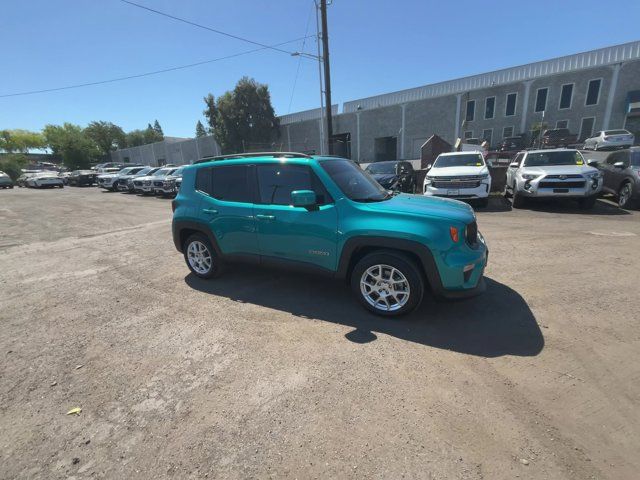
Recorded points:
(621, 172)
(511, 144)
(394, 175)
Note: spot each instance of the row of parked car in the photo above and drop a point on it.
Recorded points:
(562, 137)
(530, 174)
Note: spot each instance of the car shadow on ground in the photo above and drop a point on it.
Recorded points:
(601, 207)
(496, 323)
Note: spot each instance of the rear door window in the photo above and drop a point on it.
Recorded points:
(231, 184)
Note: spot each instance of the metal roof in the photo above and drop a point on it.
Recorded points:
(569, 63)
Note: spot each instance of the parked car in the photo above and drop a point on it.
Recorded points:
(5, 180)
(44, 179)
(394, 175)
(81, 178)
(559, 173)
(511, 144)
(609, 139)
(557, 137)
(327, 215)
(621, 172)
(126, 184)
(170, 184)
(109, 181)
(459, 175)
(147, 185)
(123, 176)
(472, 141)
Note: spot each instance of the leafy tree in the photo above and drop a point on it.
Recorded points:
(200, 131)
(13, 163)
(106, 136)
(72, 143)
(135, 138)
(151, 136)
(243, 116)
(209, 112)
(158, 129)
(20, 141)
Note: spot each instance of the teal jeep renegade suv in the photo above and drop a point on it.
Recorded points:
(326, 214)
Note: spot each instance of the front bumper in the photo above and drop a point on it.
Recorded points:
(462, 271)
(545, 188)
(459, 193)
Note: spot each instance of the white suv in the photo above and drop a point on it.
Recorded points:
(459, 175)
(560, 173)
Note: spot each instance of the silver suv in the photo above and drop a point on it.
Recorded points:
(560, 173)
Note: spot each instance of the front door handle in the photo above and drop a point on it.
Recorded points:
(265, 217)
(210, 211)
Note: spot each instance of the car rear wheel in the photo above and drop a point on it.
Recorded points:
(387, 283)
(201, 257)
(625, 196)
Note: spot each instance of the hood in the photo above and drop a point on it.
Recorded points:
(147, 177)
(560, 170)
(457, 171)
(108, 175)
(425, 206)
(384, 178)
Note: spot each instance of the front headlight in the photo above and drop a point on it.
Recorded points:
(595, 176)
(428, 180)
(484, 175)
(529, 176)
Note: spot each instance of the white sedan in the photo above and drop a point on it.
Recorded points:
(40, 180)
(609, 139)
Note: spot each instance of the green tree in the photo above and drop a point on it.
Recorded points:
(243, 116)
(158, 129)
(20, 141)
(209, 112)
(71, 142)
(135, 138)
(13, 163)
(106, 135)
(200, 131)
(150, 135)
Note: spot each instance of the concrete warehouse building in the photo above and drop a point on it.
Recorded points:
(585, 92)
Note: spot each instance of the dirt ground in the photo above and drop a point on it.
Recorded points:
(264, 373)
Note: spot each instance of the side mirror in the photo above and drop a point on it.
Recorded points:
(619, 165)
(303, 198)
(514, 165)
(592, 162)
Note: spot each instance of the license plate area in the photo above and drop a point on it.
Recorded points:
(560, 190)
(453, 193)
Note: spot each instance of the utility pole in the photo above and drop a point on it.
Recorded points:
(327, 74)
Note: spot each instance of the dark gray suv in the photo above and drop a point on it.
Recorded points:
(621, 171)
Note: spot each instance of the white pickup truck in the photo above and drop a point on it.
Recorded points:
(459, 175)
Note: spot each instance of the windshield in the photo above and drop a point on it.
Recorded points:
(144, 171)
(354, 182)
(543, 159)
(462, 160)
(162, 172)
(616, 132)
(178, 172)
(382, 167)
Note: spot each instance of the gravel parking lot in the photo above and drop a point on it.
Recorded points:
(265, 373)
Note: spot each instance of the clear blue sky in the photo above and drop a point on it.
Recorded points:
(376, 47)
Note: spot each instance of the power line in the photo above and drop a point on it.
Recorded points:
(146, 74)
(304, 41)
(189, 22)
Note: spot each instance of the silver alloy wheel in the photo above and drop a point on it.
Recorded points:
(625, 193)
(385, 288)
(199, 257)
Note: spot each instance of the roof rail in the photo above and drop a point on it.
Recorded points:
(253, 154)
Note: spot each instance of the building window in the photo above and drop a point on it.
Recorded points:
(566, 95)
(586, 128)
(562, 124)
(541, 99)
(489, 107)
(487, 135)
(507, 132)
(593, 92)
(468, 134)
(471, 110)
(510, 109)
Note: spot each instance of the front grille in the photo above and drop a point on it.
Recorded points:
(561, 184)
(562, 177)
(471, 233)
(464, 181)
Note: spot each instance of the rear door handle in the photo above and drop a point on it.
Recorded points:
(210, 211)
(265, 217)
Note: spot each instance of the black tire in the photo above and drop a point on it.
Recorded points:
(587, 203)
(518, 200)
(626, 201)
(215, 267)
(407, 269)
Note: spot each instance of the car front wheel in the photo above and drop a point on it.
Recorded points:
(201, 257)
(625, 196)
(387, 283)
